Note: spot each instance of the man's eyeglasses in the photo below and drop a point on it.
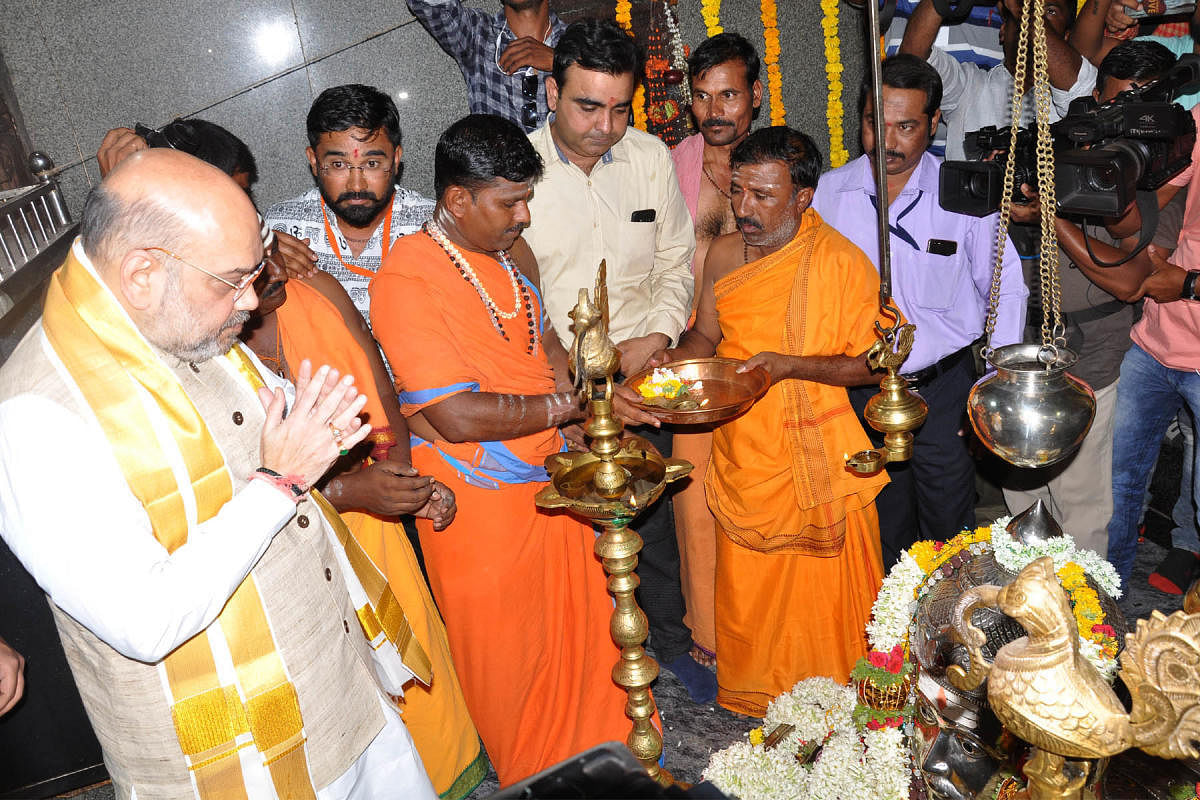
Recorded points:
(529, 91)
(239, 288)
(370, 169)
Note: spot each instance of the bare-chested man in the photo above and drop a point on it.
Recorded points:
(726, 94)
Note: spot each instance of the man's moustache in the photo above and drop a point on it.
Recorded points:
(344, 196)
(750, 221)
(236, 320)
(716, 123)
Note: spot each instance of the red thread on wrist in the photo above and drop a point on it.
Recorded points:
(291, 485)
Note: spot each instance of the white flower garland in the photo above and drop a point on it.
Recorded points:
(874, 763)
(895, 605)
(850, 766)
(1014, 556)
(1107, 667)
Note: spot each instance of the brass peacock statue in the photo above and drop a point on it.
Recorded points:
(592, 356)
(1046, 692)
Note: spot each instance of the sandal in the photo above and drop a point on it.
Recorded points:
(703, 656)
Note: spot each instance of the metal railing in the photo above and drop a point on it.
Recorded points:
(31, 218)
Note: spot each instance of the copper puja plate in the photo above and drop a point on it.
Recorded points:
(719, 391)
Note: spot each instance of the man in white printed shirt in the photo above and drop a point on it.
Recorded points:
(354, 213)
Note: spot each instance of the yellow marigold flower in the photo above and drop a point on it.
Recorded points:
(756, 736)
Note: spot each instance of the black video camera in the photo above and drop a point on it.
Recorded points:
(975, 187)
(1137, 141)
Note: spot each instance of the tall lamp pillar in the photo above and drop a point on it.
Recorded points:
(608, 486)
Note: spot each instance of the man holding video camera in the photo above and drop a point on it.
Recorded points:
(1160, 373)
(974, 97)
(1097, 318)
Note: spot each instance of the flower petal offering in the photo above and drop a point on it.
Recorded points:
(698, 391)
(667, 389)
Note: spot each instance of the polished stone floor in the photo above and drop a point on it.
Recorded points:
(693, 732)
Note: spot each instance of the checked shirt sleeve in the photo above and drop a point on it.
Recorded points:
(456, 28)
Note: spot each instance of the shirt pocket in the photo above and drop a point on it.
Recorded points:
(637, 245)
(938, 280)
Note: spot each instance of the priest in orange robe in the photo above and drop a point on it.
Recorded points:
(485, 389)
(798, 554)
(317, 320)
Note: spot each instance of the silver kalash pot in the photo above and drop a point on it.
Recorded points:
(1029, 411)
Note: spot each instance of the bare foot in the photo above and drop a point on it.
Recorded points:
(703, 657)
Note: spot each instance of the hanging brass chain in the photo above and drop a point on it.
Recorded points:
(1053, 331)
(1032, 35)
(1006, 196)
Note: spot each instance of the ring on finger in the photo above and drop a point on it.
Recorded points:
(338, 434)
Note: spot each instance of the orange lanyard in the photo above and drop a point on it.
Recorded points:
(385, 244)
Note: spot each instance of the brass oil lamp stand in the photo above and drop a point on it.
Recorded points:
(897, 410)
(608, 486)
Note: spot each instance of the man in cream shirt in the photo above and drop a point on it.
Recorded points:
(609, 193)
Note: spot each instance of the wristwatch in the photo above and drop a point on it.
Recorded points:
(1189, 285)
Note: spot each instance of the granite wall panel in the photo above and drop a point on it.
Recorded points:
(80, 69)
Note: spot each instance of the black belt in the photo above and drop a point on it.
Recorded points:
(1082, 317)
(923, 377)
(1095, 312)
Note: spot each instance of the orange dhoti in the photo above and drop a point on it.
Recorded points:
(527, 609)
(436, 715)
(798, 555)
(522, 592)
(769, 638)
(696, 531)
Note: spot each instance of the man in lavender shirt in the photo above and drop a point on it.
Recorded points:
(941, 273)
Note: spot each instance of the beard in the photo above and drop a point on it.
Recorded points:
(521, 5)
(358, 215)
(175, 331)
(210, 346)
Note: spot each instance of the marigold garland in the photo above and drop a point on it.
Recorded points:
(771, 59)
(896, 602)
(639, 107)
(835, 114)
(711, 11)
(624, 16)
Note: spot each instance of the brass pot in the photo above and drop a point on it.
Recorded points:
(884, 698)
(1030, 411)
